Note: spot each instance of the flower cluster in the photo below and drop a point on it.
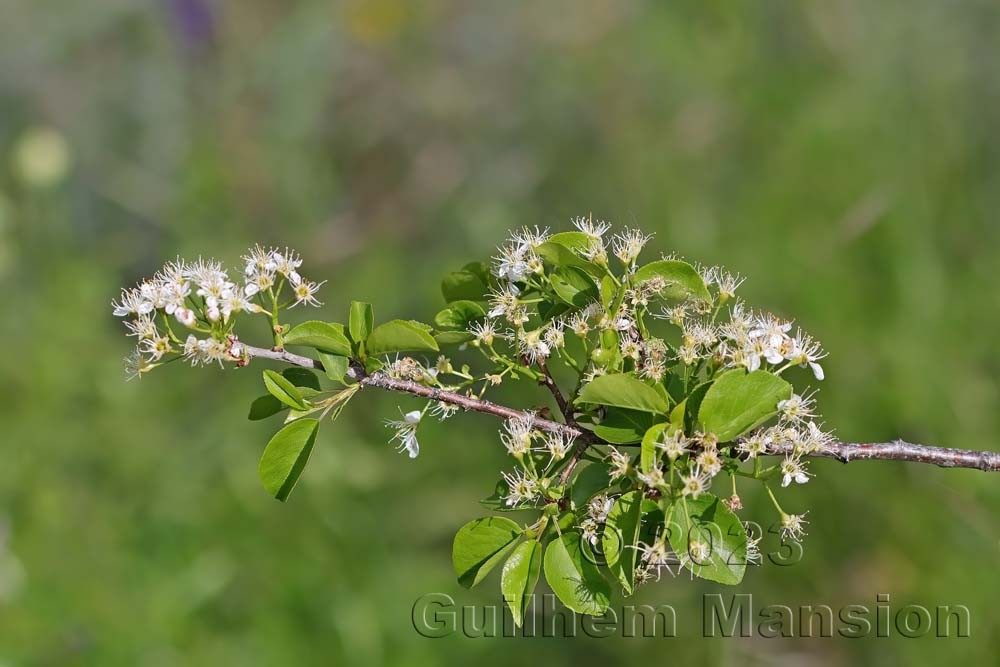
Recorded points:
(202, 299)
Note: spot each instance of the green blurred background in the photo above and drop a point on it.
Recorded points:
(844, 155)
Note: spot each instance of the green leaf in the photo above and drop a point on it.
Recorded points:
(609, 290)
(520, 576)
(285, 456)
(621, 535)
(557, 254)
(480, 545)
(715, 526)
(459, 315)
(623, 391)
(302, 377)
(265, 406)
(682, 279)
(738, 401)
(335, 366)
(623, 427)
(574, 286)
(283, 390)
(453, 337)
(464, 286)
(323, 336)
(574, 579)
(361, 321)
(400, 336)
(647, 455)
(589, 481)
(571, 240)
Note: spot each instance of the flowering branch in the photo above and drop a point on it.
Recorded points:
(845, 452)
(667, 360)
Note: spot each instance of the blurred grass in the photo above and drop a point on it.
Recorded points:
(843, 155)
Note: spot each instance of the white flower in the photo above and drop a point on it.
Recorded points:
(155, 347)
(620, 464)
(531, 345)
(520, 488)
(755, 444)
(599, 507)
(186, 317)
(654, 478)
(695, 483)
(136, 365)
(656, 556)
(503, 302)
(674, 445)
(797, 408)
(143, 327)
(287, 263)
(305, 292)
(793, 526)
(512, 264)
(803, 351)
(406, 432)
(485, 332)
(793, 469)
(554, 336)
(131, 302)
(628, 244)
(558, 446)
(519, 433)
(593, 231)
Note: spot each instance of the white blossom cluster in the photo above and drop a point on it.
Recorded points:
(520, 438)
(200, 297)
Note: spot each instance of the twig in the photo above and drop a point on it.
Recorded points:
(845, 452)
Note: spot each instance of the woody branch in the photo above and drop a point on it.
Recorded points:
(897, 450)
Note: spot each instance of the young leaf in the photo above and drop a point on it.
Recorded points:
(453, 337)
(623, 391)
(621, 535)
(682, 279)
(589, 481)
(574, 286)
(361, 321)
(520, 576)
(623, 427)
(464, 285)
(738, 401)
(301, 377)
(572, 240)
(283, 390)
(647, 455)
(574, 579)
(459, 315)
(335, 366)
(557, 254)
(400, 336)
(481, 544)
(285, 456)
(265, 406)
(715, 529)
(323, 336)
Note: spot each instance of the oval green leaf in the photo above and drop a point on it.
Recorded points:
(283, 390)
(714, 525)
(621, 535)
(480, 545)
(682, 279)
(738, 401)
(574, 286)
(623, 391)
(285, 456)
(574, 579)
(623, 427)
(323, 336)
(362, 319)
(400, 336)
(520, 576)
(459, 315)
